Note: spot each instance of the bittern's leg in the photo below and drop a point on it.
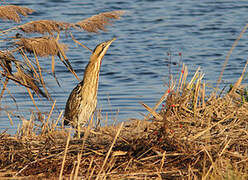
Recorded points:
(90, 124)
(78, 130)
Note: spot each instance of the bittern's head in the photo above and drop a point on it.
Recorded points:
(101, 50)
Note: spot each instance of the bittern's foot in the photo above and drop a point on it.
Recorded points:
(80, 134)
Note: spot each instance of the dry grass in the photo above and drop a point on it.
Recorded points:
(91, 24)
(41, 46)
(30, 80)
(45, 46)
(230, 52)
(99, 21)
(23, 76)
(44, 26)
(27, 72)
(12, 12)
(5, 61)
(193, 137)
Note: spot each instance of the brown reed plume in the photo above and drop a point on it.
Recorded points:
(41, 46)
(5, 61)
(23, 76)
(91, 24)
(12, 12)
(29, 79)
(46, 46)
(99, 21)
(44, 26)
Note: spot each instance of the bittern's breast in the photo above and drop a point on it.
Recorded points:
(86, 109)
(80, 106)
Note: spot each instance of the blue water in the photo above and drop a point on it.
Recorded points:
(136, 67)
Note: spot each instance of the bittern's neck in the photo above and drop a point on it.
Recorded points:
(91, 76)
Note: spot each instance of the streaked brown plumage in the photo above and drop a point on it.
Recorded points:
(82, 101)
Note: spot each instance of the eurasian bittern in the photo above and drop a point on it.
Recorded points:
(82, 101)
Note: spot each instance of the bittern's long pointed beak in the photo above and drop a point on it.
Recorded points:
(104, 50)
(110, 41)
(101, 50)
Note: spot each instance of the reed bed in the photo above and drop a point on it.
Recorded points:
(193, 136)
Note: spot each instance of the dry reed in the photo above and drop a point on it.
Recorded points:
(11, 12)
(44, 26)
(5, 61)
(99, 21)
(41, 46)
(91, 24)
(229, 54)
(193, 136)
(188, 139)
(22, 76)
(28, 78)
